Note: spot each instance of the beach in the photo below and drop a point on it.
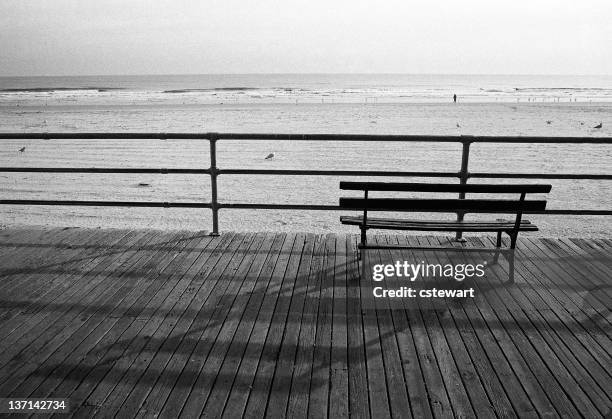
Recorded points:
(95, 112)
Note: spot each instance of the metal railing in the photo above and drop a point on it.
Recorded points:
(214, 172)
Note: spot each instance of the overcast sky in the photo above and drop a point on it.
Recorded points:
(68, 37)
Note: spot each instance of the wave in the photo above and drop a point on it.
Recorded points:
(214, 89)
(546, 89)
(237, 89)
(58, 89)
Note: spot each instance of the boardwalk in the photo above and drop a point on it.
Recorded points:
(144, 323)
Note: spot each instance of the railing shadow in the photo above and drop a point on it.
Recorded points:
(309, 287)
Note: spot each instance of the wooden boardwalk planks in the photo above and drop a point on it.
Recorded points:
(148, 323)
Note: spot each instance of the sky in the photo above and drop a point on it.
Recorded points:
(92, 37)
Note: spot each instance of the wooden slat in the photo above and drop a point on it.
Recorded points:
(437, 394)
(213, 341)
(359, 403)
(253, 380)
(148, 323)
(452, 375)
(56, 304)
(299, 391)
(128, 305)
(244, 300)
(482, 365)
(396, 388)
(182, 300)
(179, 312)
(339, 405)
(571, 288)
(92, 397)
(140, 361)
(377, 384)
(524, 362)
(47, 344)
(235, 363)
(65, 379)
(559, 331)
(415, 384)
(487, 206)
(418, 225)
(40, 283)
(578, 281)
(18, 246)
(445, 187)
(32, 256)
(551, 372)
(275, 402)
(318, 400)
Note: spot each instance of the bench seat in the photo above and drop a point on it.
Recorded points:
(437, 225)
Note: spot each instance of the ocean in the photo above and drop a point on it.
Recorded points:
(301, 88)
(369, 104)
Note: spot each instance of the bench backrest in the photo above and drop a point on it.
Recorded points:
(517, 205)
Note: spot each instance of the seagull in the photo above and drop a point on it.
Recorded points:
(22, 149)
(269, 156)
(598, 126)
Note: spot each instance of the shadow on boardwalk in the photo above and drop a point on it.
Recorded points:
(276, 321)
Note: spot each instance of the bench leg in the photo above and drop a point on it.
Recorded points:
(513, 238)
(364, 238)
(363, 241)
(511, 267)
(497, 247)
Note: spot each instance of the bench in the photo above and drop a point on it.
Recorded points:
(516, 206)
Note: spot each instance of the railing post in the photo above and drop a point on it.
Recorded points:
(463, 178)
(213, 184)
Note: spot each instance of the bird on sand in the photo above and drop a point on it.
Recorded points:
(458, 126)
(598, 126)
(22, 149)
(269, 156)
(549, 122)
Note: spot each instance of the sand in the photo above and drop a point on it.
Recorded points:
(473, 119)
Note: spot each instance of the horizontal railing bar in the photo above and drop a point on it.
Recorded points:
(308, 207)
(307, 137)
(302, 172)
(414, 174)
(332, 173)
(338, 208)
(105, 203)
(280, 206)
(540, 176)
(104, 136)
(573, 212)
(102, 170)
(342, 137)
(414, 138)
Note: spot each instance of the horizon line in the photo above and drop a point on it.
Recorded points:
(306, 74)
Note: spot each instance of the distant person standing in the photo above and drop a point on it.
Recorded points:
(455, 98)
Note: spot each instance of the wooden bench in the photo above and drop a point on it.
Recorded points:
(516, 206)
